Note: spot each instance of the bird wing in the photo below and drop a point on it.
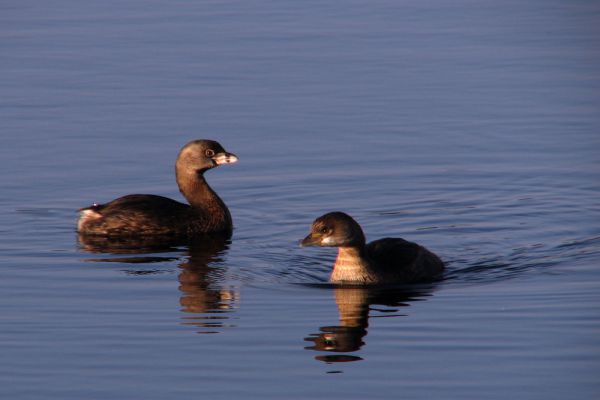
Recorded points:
(393, 253)
(138, 213)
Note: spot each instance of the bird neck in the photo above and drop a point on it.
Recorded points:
(201, 196)
(352, 265)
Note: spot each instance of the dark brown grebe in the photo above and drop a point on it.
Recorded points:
(389, 260)
(150, 215)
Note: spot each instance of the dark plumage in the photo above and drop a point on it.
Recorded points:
(151, 215)
(388, 260)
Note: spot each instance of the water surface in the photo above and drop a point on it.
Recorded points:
(469, 127)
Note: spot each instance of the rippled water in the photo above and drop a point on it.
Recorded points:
(469, 127)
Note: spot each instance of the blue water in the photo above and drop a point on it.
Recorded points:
(470, 127)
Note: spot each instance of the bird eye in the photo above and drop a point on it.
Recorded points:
(209, 153)
(324, 230)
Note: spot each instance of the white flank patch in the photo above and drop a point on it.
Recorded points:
(86, 215)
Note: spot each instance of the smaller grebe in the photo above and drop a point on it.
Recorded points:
(151, 215)
(383, 261)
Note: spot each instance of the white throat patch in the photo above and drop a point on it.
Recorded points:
(328, 241)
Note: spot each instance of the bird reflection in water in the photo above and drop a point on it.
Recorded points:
(201, 283)
(205, 297)
(355, 306)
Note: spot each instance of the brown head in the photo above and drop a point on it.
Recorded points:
(194, 159)
(335, 229)
(198, 156)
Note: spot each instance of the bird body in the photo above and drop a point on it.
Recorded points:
(388, 260)
(152, 215)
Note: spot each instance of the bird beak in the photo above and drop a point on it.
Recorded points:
(310, 240)
(224, 158)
